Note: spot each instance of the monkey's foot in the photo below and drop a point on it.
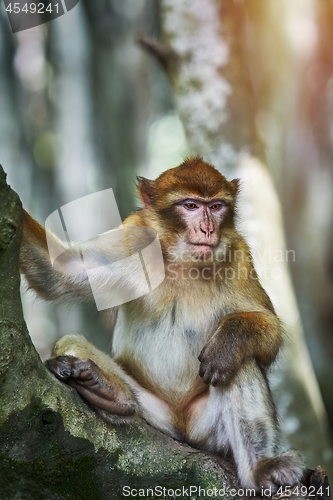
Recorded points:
(106, 393)
(284, 470)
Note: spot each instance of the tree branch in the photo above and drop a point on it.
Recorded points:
(160, 52)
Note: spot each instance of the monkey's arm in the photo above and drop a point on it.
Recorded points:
(104, 258)
(66, 278)
(240, 336)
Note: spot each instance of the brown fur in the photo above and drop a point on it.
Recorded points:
(204, 180)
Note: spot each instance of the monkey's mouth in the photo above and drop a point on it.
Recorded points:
(203, 245)
(202, 248)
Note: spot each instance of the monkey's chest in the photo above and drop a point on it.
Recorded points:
(162, 355)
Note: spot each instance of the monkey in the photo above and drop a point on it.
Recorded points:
(191, 356)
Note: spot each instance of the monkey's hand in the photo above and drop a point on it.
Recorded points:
(90, 382)
(239, 336)
(221, 358)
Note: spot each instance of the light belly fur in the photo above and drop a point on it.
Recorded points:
(164, 354)
(158, 341)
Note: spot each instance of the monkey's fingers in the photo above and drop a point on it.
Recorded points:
(216, 369)
(221, 358)
(215, 376)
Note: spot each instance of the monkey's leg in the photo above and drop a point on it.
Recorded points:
(113, 394)
(242, 417)
(95, 376)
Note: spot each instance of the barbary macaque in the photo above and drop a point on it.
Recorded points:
(191, 356)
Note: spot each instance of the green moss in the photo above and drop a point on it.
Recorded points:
(34, 410)
(71, 478)
(44, 461)
(36, 406)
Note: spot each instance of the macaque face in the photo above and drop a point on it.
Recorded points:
(203, 220)
(192, 209)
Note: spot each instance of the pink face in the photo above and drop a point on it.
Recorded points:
(203, 220)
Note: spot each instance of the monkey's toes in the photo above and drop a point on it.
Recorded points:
(284, 470)
(104, 393)
(85, 370)
(61, 367)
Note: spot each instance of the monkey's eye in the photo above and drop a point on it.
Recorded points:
(190, 206)
(216, 206)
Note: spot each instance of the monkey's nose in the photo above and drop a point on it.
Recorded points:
(207, 229)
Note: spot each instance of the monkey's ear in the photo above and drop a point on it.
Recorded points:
(235, 184)
(146, 190)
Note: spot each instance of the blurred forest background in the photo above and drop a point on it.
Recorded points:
(83, 108)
